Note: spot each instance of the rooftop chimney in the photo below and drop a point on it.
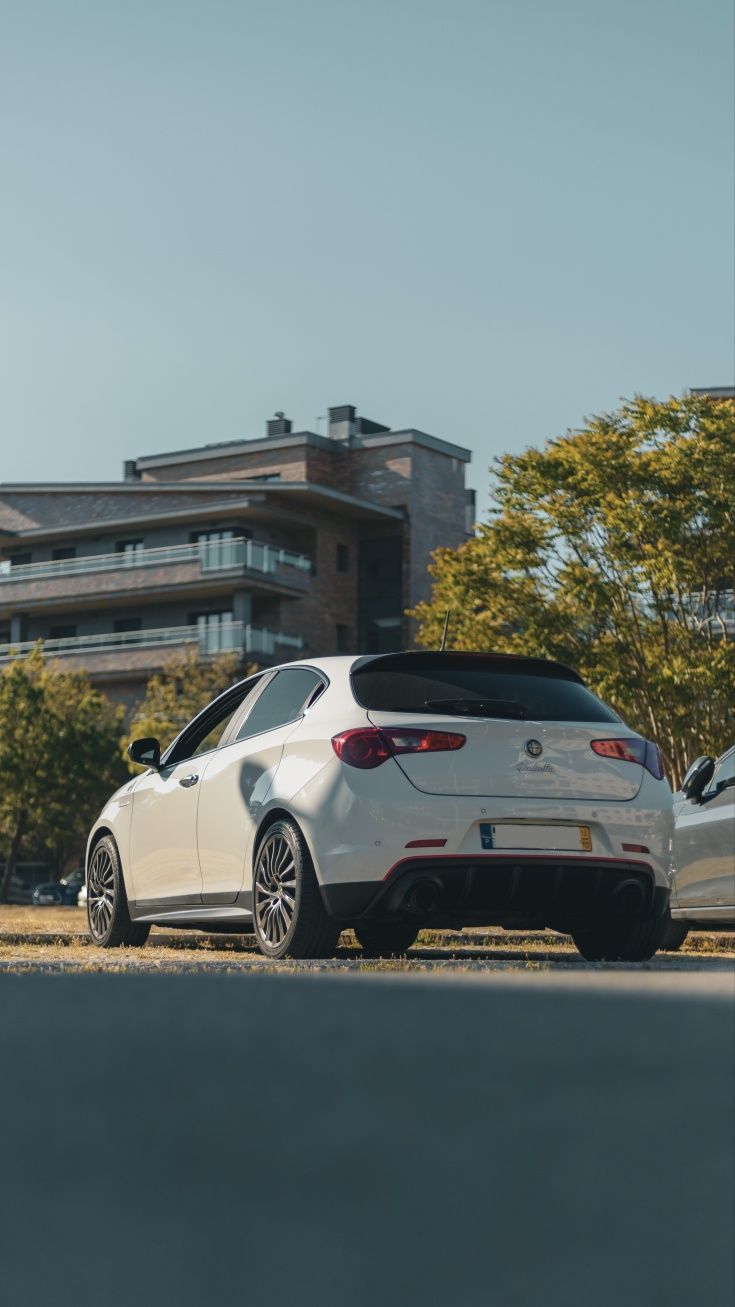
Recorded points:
(342, 424)
(279, 425)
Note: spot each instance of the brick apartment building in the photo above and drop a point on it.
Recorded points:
(282, 547)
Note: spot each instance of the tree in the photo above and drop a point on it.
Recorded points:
(177, 693)
(59, 759)
(613, 549)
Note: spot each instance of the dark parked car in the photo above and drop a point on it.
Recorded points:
(62, 893)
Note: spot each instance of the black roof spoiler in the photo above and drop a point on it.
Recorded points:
(501, 661)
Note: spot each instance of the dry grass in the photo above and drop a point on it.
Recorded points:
(55, 939)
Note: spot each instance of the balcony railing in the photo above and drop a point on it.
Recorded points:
(212, 556)
(211, 639)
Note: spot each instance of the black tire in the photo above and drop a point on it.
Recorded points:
(674, 935)
(107, 903)
(385, 939)
(289, 918)
(620, 941)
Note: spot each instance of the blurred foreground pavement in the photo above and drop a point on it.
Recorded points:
(365, 1140)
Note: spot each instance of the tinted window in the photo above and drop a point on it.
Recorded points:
(215, 732)
(477, 687)
(281, 701)
(206, 734)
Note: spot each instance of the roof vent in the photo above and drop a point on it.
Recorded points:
(279, 425)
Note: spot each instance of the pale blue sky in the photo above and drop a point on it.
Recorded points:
(484, 218)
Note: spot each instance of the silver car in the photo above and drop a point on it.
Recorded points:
(703, 896)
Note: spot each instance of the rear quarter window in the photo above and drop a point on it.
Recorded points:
(508, 690)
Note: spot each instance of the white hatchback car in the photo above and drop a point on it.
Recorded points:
(389, 793)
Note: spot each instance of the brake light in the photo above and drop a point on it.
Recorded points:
(361, 748)
(370, 746)
(644, 752)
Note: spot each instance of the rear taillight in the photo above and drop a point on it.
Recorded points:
(369, 746)
(644, 752)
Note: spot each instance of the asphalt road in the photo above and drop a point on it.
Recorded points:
(366, 1140)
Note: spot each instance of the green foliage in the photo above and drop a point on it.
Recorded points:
(59, 759)
(178, 693)
(611, 549)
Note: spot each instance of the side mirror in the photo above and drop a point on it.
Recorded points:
(146, 752)
(697, 778)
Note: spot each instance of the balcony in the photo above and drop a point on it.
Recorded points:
(192, 566)
(210, 639)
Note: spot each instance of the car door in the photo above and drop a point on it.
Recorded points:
(164, 859)
(704, 843)
(239, 775)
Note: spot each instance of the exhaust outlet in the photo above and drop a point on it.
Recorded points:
(422, 897)
(629, 898)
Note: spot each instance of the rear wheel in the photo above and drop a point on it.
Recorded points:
(386, 939)
(620, 941)
(289, 918)
(107, 902)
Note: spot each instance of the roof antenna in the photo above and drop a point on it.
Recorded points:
(443, 644)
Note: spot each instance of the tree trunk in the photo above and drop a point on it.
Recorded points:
(11, 859)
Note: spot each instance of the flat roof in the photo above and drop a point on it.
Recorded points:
(715, 392)
(231, 448)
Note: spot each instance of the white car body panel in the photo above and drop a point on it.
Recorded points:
(493, 761)
(234, 787)
(164, 862)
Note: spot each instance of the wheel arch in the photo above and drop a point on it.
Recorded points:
(98, 833)
(269, 818)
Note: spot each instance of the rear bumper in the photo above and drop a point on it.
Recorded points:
(497, 889)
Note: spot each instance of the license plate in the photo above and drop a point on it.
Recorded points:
(505, 835)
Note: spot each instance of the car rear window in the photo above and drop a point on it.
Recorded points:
(477, 687)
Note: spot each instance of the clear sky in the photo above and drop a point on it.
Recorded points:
(483, 218)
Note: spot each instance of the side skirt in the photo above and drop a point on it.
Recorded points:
(723, 917)
(169, 914)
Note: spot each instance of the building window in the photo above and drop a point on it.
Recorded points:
(343, 558)
(217, 549)
(218, 632)
(343, 638)
(20, 560)
(126, 624)
(64, 551)
(130, 550)
(67, 632)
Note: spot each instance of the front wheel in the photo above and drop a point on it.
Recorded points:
(387, 939)
(289, 918)
(620, 941)
(107, 903)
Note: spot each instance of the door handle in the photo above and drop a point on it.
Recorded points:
(186, 781)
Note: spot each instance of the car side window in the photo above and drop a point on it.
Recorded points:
(213, 736)
(204, 733)
(283, 700)
(724, 773)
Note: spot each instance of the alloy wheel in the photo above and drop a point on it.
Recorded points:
(274, 890)
(100, 892)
